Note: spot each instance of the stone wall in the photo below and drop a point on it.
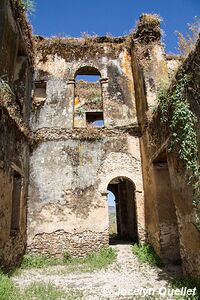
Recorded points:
(68, 187)
(71, 168)
(15, 90)
(77, 244)
(169, 214)
(59, 69)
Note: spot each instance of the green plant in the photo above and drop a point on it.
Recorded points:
(190, 283)
(41, 291)
(102, 258)
(80, 111)
(92, 261)
(67, 257)
(176, 112)
(146, 254)
(7, 289)
(39, 261)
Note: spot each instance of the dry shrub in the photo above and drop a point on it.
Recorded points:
(148, 28)
(187, 43)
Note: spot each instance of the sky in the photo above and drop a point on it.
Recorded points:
(116, 17)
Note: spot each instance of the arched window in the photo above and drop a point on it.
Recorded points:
(88, 103)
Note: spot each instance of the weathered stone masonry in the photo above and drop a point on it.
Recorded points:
(69, 163)
(16, 69)
(169, 214)
(73, 163)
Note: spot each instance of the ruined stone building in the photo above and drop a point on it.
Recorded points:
(65, 142)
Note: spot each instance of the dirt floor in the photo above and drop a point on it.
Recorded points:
(118, 281)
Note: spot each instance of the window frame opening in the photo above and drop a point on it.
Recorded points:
(39, 92)
(16, 202)
(20, 76)
(93, 117)
(88, 99)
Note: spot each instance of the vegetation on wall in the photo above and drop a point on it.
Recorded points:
(176, 113)
(148, 29)
(88, 95)
(187, 43)
(9, 104)
(27, 5)
(5, 91)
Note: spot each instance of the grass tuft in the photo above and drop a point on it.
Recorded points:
(39, 261)
(146, 254)
(41, 291)
(93, 261)
(190, 283)
(36, 291)
(8, 291)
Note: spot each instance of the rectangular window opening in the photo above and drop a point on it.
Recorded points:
(40, 91)
(16, 201)
(20, 77)
(95, 119)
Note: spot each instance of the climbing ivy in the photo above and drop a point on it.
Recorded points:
(176, 112)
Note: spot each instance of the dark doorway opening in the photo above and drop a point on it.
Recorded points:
(123, 190)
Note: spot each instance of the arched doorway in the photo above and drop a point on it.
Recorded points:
(125, 204)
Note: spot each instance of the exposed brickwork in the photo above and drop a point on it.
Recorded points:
(60, 241)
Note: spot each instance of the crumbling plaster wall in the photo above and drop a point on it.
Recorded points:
(9, 40)
(154, 142)
(149, 71)
(68, 192)
(183, 196)
(14, 146)
(66, 198)
(60, 71)
(13, 156)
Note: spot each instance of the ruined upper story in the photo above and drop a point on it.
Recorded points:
(62, 101)
(59, 99)
(69, 103)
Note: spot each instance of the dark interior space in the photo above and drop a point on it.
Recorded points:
(124, 191)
